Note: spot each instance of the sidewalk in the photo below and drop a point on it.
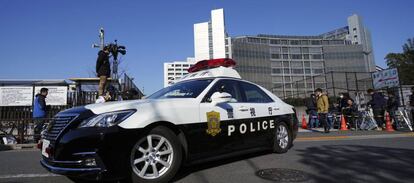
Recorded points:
(317, 134)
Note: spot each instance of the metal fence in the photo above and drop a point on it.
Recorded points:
(333, 83)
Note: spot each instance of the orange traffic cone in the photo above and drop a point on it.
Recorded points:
(343, 123)
(304, 124)
(388, 126)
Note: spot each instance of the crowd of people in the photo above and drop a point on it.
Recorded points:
(322, 113)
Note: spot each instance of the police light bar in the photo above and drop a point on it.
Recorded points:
(213, 63)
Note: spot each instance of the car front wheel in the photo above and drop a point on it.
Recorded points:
(283, 138)
(156, 157)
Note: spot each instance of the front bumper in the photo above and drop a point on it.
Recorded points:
(59, 168)
(91, 153)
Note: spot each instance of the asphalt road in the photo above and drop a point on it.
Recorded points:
(383, 158)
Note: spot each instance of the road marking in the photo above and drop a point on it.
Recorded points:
(28, 176)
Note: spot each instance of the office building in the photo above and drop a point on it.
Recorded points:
(283, 64)
(175, 70)
(210, 38)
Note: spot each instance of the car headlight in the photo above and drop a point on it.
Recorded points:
(106, 119)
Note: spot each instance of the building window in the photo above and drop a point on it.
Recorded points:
(294, 42)
(294, 50)
(307, 71)
(274, 41)
(304, 42)
(316, 42)
(286, 71)
(296, 64)
(170, 74)
(307, 64)
(318, 71)
(285, 64)
(315, 50)
(285, 56)
(296, 56)
(185, 65)
(285, 49)
(284, 42)
(170, 69)
(276, 71)
(287, 79)
(275, 56)
(317, 56)
(306, 56)
(276, 64)
(297, 71)
(305, 50)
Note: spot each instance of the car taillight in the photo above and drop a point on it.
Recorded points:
(208, 64)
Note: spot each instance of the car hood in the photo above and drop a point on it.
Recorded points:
(131, 104)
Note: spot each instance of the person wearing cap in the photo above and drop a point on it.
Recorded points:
(39, 112)
(322, 104)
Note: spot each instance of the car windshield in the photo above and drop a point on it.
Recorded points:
(186, 89)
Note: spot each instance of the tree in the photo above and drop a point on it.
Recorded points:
(404, 62)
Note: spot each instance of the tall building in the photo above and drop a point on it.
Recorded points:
(283, 64)
(210, 38)
(175, 70)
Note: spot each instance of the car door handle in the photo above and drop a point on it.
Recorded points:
(243, 108)
(276, 108)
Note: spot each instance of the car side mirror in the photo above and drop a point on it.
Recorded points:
(218, 98)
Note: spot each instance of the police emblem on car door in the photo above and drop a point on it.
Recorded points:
(213, 123)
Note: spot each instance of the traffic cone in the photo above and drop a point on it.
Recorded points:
(343, 123)
(304, 124)
(388, 126)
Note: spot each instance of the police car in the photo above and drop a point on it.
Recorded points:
(210, 114)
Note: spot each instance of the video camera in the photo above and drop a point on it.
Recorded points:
(114, 49)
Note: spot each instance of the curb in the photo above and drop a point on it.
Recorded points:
(17, 147)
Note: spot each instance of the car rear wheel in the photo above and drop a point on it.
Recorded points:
(283, 138)
(156, 157)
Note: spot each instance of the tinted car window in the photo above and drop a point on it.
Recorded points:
(185, 89)
(225, 85)
(254, 94)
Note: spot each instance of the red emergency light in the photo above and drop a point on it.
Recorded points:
(213, 63)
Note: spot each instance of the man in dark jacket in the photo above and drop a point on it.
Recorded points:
(378, 105)
(39, 112)
(392, 107)
(311, 109)
(103, 69)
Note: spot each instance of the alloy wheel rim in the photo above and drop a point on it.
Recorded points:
(152, 158)
(282, 136)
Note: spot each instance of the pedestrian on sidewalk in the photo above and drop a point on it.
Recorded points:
(392, 107)
(311, 110)
(39, 112)
(378, 105)
(322, 104)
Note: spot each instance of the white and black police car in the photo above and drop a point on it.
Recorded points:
(210, 114)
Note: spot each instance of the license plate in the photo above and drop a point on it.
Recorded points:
(45, 145)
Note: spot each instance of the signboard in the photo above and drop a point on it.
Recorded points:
(57, 95)
(385, 78)
(16, 95)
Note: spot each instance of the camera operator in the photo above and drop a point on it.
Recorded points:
(103, 69)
